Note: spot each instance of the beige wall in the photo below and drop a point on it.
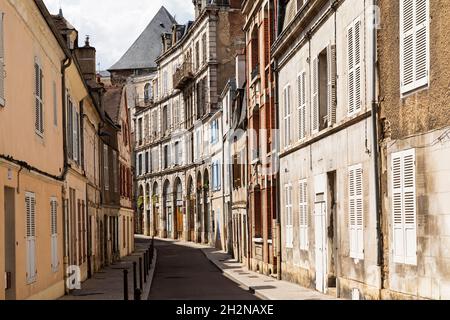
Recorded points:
(22, 20)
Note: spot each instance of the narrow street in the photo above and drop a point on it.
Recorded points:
(184, 273)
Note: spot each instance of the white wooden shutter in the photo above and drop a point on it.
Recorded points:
(2, 63)
(414, 44)
(404, 207)
(356, 212)
(315, 95)
(54, 233)
(30, 205)
(289, 217)
(301, 83)
(287, 116)
(303, 214)
(106, 167)
(39, 116)
(331, 55)
(354, 48)
(75, 135)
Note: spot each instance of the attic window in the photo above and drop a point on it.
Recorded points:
(162, 25)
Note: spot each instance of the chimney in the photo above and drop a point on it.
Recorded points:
(86, 57)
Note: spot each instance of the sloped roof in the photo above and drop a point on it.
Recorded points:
(144, 51)
(111, 102)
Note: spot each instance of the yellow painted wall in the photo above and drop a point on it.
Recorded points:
(22, 20)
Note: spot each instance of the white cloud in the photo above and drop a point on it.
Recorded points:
(114, 25)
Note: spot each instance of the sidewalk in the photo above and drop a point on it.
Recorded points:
(264, 287)
(108, 283)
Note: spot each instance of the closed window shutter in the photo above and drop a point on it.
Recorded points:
(116, 183)
(404, 207)
(75, 135)
(356, 212)
(54, 233)
(289, 218)
(106, 167)
(331, 54)
(2, 63)
(287, 116)
(30, 204)
(70, 127)
(301, 82)
(414, 44)
(354, 67)
(303, 210)
(39, 116)
(315, 107)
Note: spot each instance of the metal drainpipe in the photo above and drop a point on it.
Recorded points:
(66, 64)
(280, 14)
(376, 146)
(278, 176)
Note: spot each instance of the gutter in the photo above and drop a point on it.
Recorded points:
(376, 146)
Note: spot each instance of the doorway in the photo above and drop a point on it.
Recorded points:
(10, 244)
(320, 244)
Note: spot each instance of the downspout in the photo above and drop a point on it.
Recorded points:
(64, 67)
(280, 15)
(278, 176)
(376, 147)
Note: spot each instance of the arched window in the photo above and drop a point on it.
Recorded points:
(148, 94)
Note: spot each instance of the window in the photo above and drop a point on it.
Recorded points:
(216, 175)
(301, 83)
(70, 111)
(214, 131)
(204, 49)
(39, 99)
(356, 212)
(76, 130)
(289, 217)
(54, 233)
(414, 44)
(178, 154)
(303, 214)
(287, 116)
(106, 167)
(115, 173)
(140, 171)
(167, 159)
(165, 83)
(176, 113)
(147, 162)
(165, 125)
(154, 122)
(148, 94)
(354, 67)
(2, 64)
(140, 133)
(324, 89)
(404, 207)
(30, 204)
(146, 126)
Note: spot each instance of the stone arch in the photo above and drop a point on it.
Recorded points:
(178, 209)
(167, 209)
(155, 200)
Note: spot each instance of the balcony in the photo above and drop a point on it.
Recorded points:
(183, 75)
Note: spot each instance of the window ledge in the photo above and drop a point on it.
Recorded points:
(258, 240)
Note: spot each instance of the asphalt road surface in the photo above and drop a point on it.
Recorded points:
(184, 273)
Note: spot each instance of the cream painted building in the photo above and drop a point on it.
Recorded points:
(32, 163)
(329, 218)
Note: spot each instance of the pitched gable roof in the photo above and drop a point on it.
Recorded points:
(144, 51)
(112, 102)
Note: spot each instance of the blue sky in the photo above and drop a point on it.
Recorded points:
(114, 25)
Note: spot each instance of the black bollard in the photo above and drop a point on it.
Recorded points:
(125, 284)
(137, 294)
(140, 274)
(134, 276)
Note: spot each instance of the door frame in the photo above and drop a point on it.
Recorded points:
(320, 235)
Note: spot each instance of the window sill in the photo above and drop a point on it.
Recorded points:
(258, 240)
